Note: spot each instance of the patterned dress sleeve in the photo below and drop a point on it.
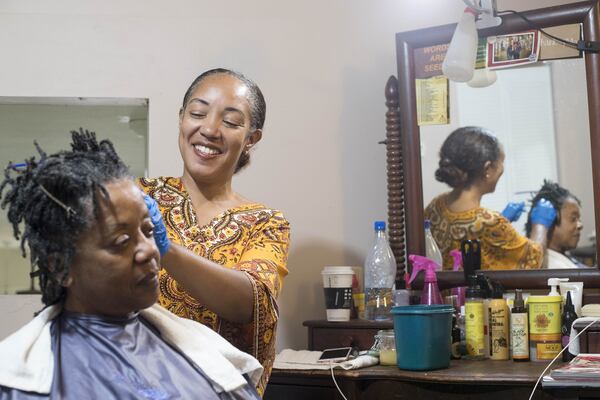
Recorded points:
(264, 261)
(504, 248)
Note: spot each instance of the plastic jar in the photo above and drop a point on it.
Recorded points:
(386, 343)
(544, 327)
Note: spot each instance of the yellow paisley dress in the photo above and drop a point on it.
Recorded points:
(251, 238)
(502, 247)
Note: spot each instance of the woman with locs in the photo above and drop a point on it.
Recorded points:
(101, 335)
(223, 256)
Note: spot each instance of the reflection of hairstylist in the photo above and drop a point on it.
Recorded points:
(471, 162)
(225, 256)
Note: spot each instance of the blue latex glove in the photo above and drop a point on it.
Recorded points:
(513, 211)
(543, 213)
(160, 231)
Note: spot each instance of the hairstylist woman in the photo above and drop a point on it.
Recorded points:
(223, 256)
(471, 163)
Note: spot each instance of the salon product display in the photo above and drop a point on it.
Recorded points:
(430, 293)
(380, 273)
(519, 329)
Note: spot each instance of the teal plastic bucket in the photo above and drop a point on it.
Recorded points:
(423, 336)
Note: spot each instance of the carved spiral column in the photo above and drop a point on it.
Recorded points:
(395, 182)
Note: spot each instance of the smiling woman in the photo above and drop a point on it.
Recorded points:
(224, 256)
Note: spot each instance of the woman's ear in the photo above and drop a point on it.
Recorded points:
(487, 168)
(253, 138)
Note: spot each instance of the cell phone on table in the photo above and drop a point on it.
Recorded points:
(335, 355)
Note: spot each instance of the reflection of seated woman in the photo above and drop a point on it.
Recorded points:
(471, 162)
(564, 233)
(100, 335)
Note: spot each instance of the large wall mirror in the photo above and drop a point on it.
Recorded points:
(545, 114)
(48, 120)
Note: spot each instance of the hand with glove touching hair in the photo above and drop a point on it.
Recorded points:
(160, 231)
(543, 213)
(513, 211)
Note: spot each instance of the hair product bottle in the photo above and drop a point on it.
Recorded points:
(474, 322)
(568, 317)
(498, 325)
(519, 330)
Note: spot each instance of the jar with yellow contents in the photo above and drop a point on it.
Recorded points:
(385, 343)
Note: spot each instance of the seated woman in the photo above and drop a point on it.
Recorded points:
(101, 335)
(563, 234)
(471, 163)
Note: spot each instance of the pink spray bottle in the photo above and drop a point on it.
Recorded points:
(430, 293)
(458, 291)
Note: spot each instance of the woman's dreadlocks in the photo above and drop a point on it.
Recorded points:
(555, 194)
(55, 198)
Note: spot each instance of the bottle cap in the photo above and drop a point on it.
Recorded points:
(497, 290)
(451, 300)
(473, 291)
(379, 225)
(569, 303)
(485, 284)
(519, 302)
(427, 224)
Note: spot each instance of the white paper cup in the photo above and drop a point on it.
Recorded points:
(337, 285)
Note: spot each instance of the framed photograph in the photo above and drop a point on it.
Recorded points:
(514, 49)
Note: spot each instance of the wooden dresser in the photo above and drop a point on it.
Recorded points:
(465, 379)
(354, 333)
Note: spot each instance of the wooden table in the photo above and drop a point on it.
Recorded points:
(465, 379)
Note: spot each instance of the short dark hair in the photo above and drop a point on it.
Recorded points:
(256, 100)
(464, 154)
(55, 198)
(555, 194)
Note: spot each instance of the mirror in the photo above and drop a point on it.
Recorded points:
(48, 121)
(406, 206)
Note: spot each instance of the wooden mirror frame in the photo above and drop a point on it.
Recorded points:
(405, 187)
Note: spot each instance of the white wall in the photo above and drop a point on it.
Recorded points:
(322, 65)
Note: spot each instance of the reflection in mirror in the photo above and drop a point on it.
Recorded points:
(49, 121)
(539, 114)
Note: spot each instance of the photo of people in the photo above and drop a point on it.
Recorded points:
(513, 49)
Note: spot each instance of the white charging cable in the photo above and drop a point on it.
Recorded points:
(558, 355)
(335, 382)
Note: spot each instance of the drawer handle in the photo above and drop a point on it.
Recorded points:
(348, 341)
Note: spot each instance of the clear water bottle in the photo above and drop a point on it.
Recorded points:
(432, 251)
(380, 274)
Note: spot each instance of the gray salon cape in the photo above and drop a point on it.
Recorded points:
(133, 357)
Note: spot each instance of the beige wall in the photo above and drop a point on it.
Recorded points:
(322, 65)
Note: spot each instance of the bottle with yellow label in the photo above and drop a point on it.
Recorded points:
(498, 325)
(474, 322)
(519, 332)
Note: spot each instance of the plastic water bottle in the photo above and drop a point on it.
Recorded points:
(432, 251)
(380, 274)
